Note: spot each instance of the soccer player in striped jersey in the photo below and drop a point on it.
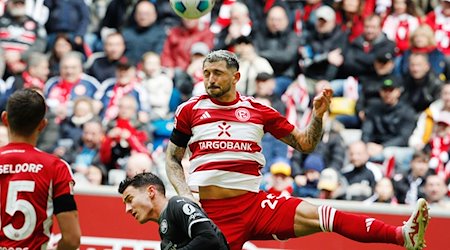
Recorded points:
(222, 130)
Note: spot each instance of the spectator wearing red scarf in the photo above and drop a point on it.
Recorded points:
(124, 134)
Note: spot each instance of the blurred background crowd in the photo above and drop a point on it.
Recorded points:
(114, 71)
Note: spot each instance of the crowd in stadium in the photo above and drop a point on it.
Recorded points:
(114, 71)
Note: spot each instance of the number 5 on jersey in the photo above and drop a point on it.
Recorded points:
(13, 205)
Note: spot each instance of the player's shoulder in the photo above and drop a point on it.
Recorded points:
(179, 200)
(190, 103)
(50, 158)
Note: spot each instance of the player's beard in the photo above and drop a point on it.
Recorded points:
(218, 91)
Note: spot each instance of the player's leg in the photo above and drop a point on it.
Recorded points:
(311, 219)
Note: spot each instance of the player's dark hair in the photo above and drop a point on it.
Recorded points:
(143, 180)
(223, 55)
(26, 108)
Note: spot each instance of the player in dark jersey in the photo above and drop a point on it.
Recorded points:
(34, 185)
(182, 223)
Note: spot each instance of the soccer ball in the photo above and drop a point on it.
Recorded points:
(192, 9)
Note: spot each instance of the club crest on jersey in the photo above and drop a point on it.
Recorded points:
(163, 227)
(188, 209)
(242, 114)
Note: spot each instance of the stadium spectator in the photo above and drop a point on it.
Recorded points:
(436, 192)
(49, 186)
(306, 184)
(181, 221)
(361, 53)
(158, 85)
(427, 120)
(34, 76)
(277, 42)
(138, 163)
(361, 174)
(125, 83)
(383, 193)
(408, 185)
(352, 14)
(60, 91)
(145, 34)
(71, 127)
(367, 88)
(332, 185)
(86, 153)
(69, 17)
(305, 17)
(274, 149)
(425, 7)
(423, 41)
(20, 36)
(280, 182)
(118, 14)
(321, 51)
(259, 10)
(251, 64)
(400, 23)
(439, 146)
(177, 46)
(388, 125)
(439, 21)
(125, 134)
(61, 47)
(240, 25)
(421, 85)
(102, 65)
(198, 52)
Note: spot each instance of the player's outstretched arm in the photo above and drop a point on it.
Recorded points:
(174, 169)
(307, 140)
(70, 230)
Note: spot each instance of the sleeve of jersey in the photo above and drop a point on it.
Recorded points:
(187, 214)
(182, 121)
(275, 123)
(63, 179)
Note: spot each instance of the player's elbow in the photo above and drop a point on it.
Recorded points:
(71, 241)
(212, 241)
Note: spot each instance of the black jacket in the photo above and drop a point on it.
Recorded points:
(359, 63)
(421, 93)
(389, 125)
(317, 65)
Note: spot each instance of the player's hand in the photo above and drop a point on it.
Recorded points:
(321, 103)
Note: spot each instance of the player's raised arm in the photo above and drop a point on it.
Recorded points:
(307, 140)
(174, 169)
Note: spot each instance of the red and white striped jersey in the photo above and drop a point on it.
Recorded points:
(225, 145)
(29, 181)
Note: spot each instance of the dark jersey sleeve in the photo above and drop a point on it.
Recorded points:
(193, 222)
(186, 213)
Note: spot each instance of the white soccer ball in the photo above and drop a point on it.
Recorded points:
(192, 9)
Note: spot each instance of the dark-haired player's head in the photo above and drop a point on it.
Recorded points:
(25, 111)
(143, 180)
(223, 55)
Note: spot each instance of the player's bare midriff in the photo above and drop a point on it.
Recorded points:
(215, 192)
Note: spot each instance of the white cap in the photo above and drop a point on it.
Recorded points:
(326, 13)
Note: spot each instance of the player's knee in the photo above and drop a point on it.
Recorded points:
(306, 210)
